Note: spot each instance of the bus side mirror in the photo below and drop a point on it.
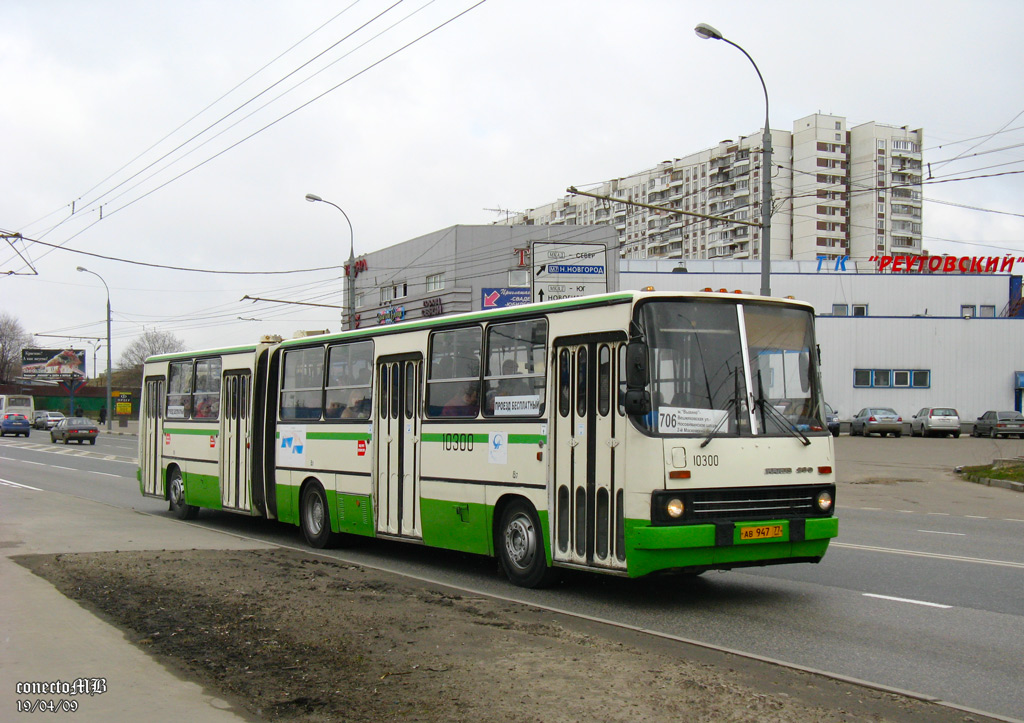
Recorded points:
(636, 365)
(637, 402)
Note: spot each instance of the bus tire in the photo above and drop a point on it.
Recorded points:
(315, 517)
(176, 496)
(520, 545)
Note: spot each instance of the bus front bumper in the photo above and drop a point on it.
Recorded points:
(725, 545)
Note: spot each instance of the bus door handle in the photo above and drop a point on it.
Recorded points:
(573, 442)
(612, 442)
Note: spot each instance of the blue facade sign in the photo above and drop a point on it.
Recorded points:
(498, 298)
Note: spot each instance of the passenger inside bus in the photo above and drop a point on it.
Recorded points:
(464, 404)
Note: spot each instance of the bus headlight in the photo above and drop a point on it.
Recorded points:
(824, 501)
(675, 507)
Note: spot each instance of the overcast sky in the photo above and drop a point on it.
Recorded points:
(504, 107)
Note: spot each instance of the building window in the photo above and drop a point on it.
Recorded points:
(518, 278)
(435, 282)
(887, 378)
(987, 312)
(967, 311)
(860, 309)
(839, 310)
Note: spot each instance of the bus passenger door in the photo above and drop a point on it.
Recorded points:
(589, 463)
(151, 449)
(396, 437)
(235, 441)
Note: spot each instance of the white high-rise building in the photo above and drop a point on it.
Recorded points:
(835, 192)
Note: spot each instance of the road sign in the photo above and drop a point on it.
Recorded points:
(567, 270)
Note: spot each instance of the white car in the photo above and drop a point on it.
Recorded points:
(46, 420)
(935, 420)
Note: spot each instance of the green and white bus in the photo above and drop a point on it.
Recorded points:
(628, 433)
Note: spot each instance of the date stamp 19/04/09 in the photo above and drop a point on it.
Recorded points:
(59, 688)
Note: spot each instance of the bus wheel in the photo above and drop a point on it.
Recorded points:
(315, 518)
(521, 549)
(176, 495)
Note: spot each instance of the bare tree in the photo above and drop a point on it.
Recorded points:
(13, 338)
(136, 353)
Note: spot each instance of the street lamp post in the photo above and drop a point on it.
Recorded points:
(707, 32)
(350, 270)
(109, 410)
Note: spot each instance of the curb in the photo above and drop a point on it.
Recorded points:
(988, 481)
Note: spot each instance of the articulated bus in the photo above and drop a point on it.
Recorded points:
(628, 433)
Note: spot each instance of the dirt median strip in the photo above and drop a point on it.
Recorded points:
(297, 638)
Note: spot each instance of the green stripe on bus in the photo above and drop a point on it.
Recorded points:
(483, 438)
(364, 436)
(527, 439)
(213, 431)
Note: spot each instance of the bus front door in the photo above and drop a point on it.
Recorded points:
(589, 461)
(396, 435)
(151, 434)
(235, 441)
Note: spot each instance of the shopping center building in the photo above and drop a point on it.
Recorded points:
(931, 331)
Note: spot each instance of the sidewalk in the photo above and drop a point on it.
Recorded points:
(45, 637)
(131, 426)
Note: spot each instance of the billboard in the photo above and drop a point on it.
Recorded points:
(53, 363)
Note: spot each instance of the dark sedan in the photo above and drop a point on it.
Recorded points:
(999, 424)
(78, 428)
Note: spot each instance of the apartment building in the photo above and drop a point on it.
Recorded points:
(835, 192)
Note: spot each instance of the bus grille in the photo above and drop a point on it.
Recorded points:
(743, 503)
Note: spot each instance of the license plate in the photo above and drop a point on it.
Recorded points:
(762, 532)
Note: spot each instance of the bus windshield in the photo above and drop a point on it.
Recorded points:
(730, 369)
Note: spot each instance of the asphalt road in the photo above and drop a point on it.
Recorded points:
(923, 591)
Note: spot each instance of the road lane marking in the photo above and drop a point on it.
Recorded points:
(8, 483)
(939, 532)
(976, 517)
(907, 600)
(936, 555)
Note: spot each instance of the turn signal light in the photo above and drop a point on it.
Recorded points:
(825, 469)
(679, 474)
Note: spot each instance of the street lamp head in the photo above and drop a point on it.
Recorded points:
(81, 268)
(706, 32)
(313, 197)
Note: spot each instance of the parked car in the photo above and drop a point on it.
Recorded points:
(78, 428)
(14, 423)
(47, 420)
(832, 420)
(876, 420)
(999, 424)
(935, 420)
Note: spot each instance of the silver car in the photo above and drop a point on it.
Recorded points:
(935, 420)
(999, 424)
(876, 420)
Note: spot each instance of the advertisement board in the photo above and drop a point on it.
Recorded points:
(53, 364)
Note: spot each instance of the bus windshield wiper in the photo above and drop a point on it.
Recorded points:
(713, 432)
(781, 418)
